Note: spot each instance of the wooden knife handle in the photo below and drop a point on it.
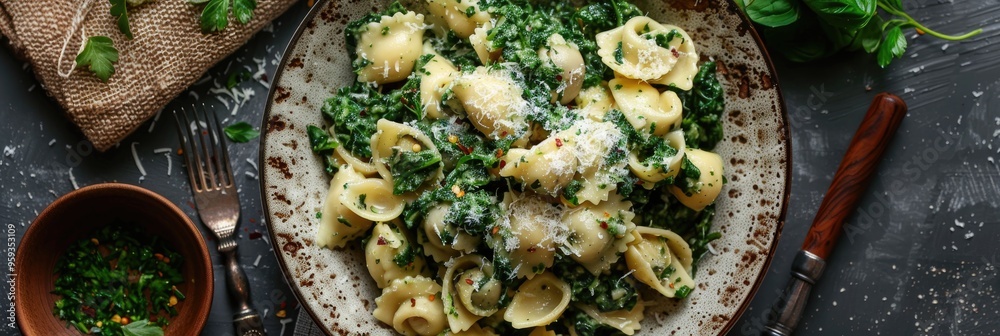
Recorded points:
(854, 173)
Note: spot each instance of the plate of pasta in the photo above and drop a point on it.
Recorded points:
(511, 167)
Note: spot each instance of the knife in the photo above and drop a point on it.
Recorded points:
(849, 184)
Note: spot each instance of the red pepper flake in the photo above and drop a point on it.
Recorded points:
(413, 302)
(531, 249)
(381, 241)
(430, 297)
(671, 285)
(468, 281)
(282, 305)
(604, 225)
(558, 142)
(559, 78)
(496, 229)
(503, 134)
(639, 182)
(255, 235)
(499, 152)
(503, 164)
(674, 52)
(920, 31)
(466, 150)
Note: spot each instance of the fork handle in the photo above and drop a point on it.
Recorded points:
(246, 320)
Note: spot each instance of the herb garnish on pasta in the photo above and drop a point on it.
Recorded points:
(512, 167)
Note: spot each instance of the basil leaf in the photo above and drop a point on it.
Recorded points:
(892, 46)
(772, 13)
(847, 14)
(215, 16)
(98, 53)
(243, 10)
(119, 11)
(870, 36)
(241, 132)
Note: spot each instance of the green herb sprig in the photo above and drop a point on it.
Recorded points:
(806, 30)
(215, 15)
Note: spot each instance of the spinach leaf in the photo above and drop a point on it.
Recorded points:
(411, 169)
(892, 46)
(846, 14)
(772, 13)
(703, 108)
(323, 144)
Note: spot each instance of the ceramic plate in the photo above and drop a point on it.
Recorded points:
(334, 286)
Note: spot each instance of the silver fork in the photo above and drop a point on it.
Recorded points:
(207, 158)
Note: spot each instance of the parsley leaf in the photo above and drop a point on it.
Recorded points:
(243, 10)
(215, 16)
(98, 53)
(119, 10)
(142, 328)
(241, 132)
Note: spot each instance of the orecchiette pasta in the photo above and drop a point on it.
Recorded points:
(443, 241)
(390, 256)
(371, 199)
(536, 226)
(339, 224)
(709, 182)
(410, 307)
(435, 80)
(494, 104)
(566, 56)
(548, 166)
(645, 108)
(538, 302)
(483, 47)
(627, 321)
(565, 126)
(657, 171)
(390, 47)
(391, 140)
(344, 156)
(643, 49)
(456, 14)
(470, 291)
(662, 260)
(594, 102)
(598, 234)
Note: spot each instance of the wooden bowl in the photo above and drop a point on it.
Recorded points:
(76, 216)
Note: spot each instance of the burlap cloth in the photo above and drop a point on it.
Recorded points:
(168, 54)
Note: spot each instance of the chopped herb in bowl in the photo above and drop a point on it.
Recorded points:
(118, 282)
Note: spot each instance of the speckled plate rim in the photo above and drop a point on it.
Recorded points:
(318, 6)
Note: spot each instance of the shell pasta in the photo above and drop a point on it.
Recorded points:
(517, 167)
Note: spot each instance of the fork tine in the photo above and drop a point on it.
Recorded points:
(195, 135)
(224, 158)
(207, 147)
(186, 147)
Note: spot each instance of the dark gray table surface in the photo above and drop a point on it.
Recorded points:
(919, 256)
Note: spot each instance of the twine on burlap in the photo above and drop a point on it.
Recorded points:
(81, 12)
(167, 55)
